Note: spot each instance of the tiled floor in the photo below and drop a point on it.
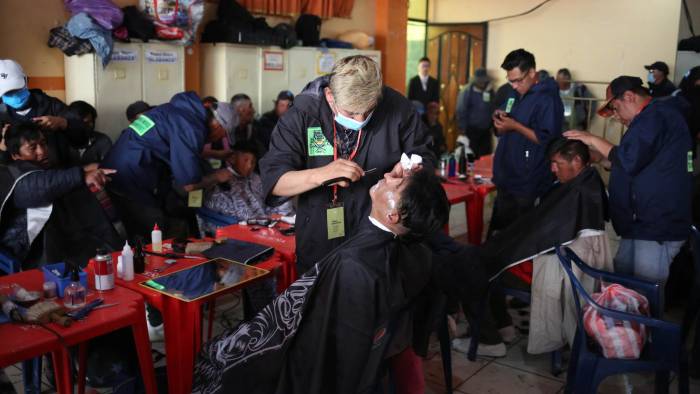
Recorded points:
(523, 373)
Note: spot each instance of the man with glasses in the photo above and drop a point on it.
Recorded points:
(530, 118)
(650, 179)
(526, 122)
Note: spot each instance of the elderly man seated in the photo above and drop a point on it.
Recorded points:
(572, 212)
(336, 329)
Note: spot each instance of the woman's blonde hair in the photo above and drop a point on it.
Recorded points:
(356, 83)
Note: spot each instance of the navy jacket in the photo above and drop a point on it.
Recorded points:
(520, 166)
(474, 109)
(171, 148)
(650, 185)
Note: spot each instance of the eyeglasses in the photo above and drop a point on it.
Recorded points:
(518, 81)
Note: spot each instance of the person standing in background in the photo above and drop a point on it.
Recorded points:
(474, 109)
(657, 79)
(423, 87)
(576, 112)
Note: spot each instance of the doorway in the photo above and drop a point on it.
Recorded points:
(456, 51)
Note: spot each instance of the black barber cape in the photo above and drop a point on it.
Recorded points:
(563, 213)
(331, 330)
(76, 227)
(303, 139)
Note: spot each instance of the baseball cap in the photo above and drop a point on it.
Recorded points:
(658, 65)
(285, 95)
(480, 75)
(225, 115)
(12, 76)
(617, 88)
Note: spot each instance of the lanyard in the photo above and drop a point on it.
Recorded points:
(335, 155)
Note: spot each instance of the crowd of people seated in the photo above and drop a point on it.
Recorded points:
(371, 255)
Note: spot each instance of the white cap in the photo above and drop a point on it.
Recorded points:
(12, 76)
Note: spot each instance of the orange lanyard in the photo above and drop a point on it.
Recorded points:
(335, 155)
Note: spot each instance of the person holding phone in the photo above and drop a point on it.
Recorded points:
(528, 120)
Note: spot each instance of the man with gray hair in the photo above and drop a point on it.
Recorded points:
(340, 126)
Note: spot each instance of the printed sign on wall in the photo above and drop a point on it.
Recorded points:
(161, 57)
(124, 55)
(273, 61)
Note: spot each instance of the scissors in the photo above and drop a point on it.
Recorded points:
(342, 178)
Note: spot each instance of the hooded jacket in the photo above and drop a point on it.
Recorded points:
(167, 144)
(395, 127)
(520, 166)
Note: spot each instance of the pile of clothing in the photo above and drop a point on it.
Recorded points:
(94, 24)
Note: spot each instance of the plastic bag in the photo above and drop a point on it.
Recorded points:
(617, 339)
(175, 20)
(104, 12)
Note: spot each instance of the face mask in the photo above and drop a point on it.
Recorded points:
(17, 99)
(650, 78)
(350, 123)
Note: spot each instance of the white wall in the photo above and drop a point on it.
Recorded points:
(596, 39)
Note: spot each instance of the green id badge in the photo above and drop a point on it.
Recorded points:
(486, 96)
(215, 163)
(317, 142)
(194, 198)
(335, 220)
(509, 104)
(142, 125)
(690, 161)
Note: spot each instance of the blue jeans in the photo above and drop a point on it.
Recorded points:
(648, 260)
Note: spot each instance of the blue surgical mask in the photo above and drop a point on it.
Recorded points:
(650, 77)
(350, 123)
(16, 99)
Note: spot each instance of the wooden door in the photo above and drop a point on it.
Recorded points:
(456, 51)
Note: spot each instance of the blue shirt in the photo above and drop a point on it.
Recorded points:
(168, 152)
(520, 166)
(474, 109)
(650, 179)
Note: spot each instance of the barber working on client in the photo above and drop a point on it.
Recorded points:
(341, 126)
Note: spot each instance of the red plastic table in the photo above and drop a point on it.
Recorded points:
(284, 244)
(473, 195)
(21, 342)
(182, 320)
(484, 168)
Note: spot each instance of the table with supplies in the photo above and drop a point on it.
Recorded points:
(272, 237)
(472, 191)
(182, 319)
(123, 308)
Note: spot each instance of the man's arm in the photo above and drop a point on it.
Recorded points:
(293, 183)
(600, 145)
(221, 175)
(220, 154)
(41, 188)
(503, 123)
